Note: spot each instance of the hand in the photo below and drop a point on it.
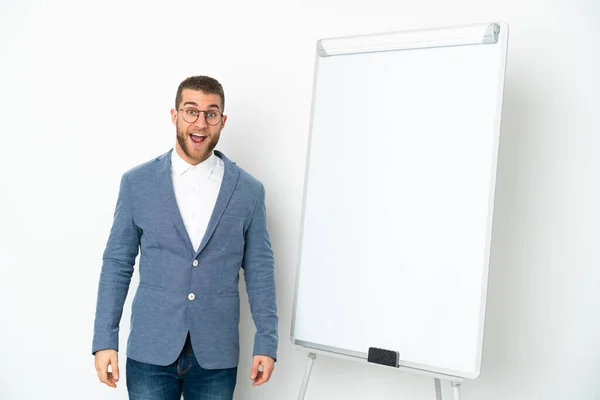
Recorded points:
(268, 365)
(104, 358)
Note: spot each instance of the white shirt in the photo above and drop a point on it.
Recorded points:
(196, 189)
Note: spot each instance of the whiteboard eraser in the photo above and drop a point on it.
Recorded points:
(390, 358)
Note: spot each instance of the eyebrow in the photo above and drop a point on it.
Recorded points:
(196, 104)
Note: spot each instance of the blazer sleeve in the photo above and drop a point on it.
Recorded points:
(117, 268)
(259, 274)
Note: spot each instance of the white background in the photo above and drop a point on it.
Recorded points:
(85, 90)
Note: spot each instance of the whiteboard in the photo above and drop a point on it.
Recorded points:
(398, 200)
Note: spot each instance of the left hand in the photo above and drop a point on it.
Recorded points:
(260, 377)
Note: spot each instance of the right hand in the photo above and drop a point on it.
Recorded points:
(104, 358)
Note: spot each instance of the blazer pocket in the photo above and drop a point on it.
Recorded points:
(234, 216)
(228, 303)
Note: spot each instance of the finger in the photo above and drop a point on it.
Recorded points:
(98, 371)
(265, 375)
(109, 380)
(102, 372)
(267, 372)
(114, 362)
(258, 379)
(261, 379)
(254, 371)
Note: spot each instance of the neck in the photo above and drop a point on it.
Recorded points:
(187, 159)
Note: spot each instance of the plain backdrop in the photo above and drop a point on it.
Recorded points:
(85, 93)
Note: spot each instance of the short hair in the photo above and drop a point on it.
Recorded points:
(206, 84)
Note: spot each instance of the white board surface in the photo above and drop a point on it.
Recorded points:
(398, 204)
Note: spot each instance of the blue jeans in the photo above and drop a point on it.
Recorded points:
(185, 375)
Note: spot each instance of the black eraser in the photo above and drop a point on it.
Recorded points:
(390, 358)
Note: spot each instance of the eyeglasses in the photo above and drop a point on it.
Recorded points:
(190, 115)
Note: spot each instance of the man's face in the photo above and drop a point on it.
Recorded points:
(198, 139)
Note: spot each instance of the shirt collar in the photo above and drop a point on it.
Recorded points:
(180, 166)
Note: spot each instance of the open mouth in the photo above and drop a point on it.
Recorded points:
(197, 138)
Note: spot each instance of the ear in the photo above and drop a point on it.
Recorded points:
(174, 116)
(223, 120)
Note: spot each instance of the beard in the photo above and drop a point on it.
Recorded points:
(186, 144)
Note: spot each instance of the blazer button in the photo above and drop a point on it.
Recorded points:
(191, 296)
(195, 263)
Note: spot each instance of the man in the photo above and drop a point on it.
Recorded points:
(197, 218)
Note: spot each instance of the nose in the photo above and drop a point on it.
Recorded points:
(201, 121)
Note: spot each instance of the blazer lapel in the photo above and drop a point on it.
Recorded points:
(165, 188)
(230, 179)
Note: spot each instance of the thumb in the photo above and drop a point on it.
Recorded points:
(255, 365)
(114, 362)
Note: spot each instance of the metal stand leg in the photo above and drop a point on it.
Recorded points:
(456, 390)
(438, 389)
(309, 365)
